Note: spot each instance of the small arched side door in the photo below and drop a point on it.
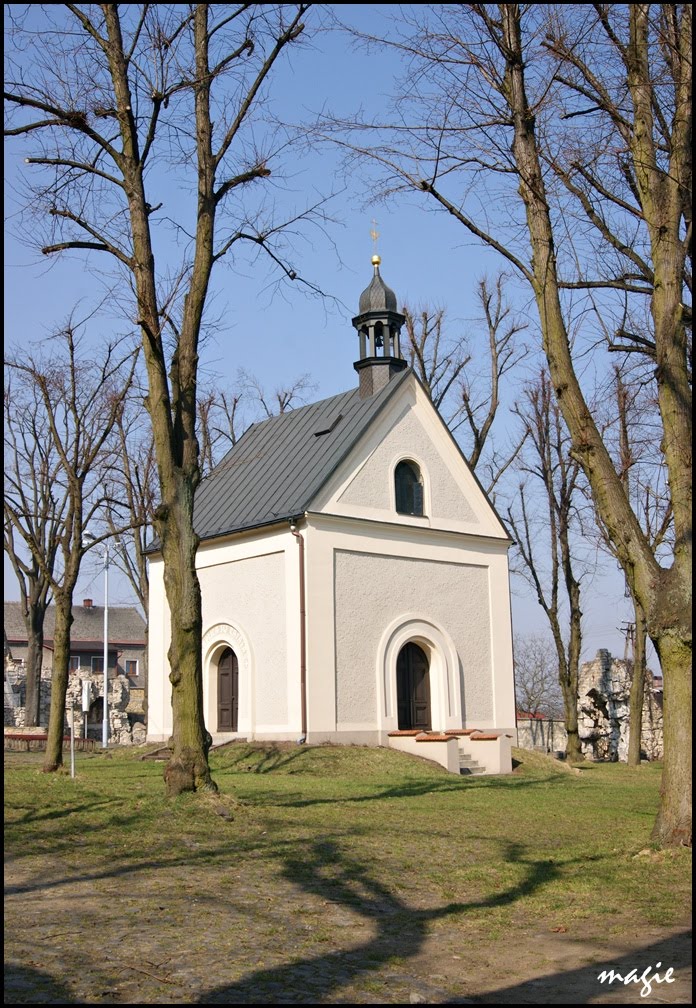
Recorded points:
(228, 691)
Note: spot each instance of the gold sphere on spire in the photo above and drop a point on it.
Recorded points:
(376, 260)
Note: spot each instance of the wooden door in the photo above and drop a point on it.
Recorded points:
(413, 688)
(228, 691)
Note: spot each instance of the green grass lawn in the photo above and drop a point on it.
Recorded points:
(326, 874)
(358, 827)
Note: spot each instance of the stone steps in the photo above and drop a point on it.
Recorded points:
(470, 767)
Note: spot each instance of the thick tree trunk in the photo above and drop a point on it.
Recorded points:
(570, 701)
(187, 769)
(171, 402)
(59, 684)
(673, 824)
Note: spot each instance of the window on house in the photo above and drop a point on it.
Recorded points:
(97, 663)
(74, 662)
(409, 488)
(131, 667)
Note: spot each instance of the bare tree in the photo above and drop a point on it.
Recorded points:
(35, 504)
(560, 136)
(224, 414)
(557, 588)
(129, 477)
(437, 360)
(79, 397)
(466, 394)
(282, 399)
(536, 677)
(113, 98)
(639, 681)
(629, 435)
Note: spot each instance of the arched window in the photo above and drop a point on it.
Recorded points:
(409, 488)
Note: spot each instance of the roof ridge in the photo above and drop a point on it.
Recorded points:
(280, 464)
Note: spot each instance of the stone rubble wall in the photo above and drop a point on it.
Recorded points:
(124, 728)
(604, 689)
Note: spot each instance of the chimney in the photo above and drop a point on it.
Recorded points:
(87, 603)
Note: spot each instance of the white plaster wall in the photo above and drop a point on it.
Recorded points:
(372, 591)
(250, 602)
(325, 534)
(249, 594)
(409, 426)
(373, 485)
(159, 706)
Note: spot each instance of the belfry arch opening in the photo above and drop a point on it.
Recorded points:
(413, 688)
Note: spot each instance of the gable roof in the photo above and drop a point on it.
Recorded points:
(126, 625)
(277, 467)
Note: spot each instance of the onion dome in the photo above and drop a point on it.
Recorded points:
(377, 297)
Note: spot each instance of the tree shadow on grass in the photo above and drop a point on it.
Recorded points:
(396, 931)
(263, 759)
(410, 789)
(38, 815)
(607, 979)
(26, 985)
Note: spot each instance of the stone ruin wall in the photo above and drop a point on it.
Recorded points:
(604, 690)
(125, 705)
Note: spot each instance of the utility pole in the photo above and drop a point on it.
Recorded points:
(629, 630)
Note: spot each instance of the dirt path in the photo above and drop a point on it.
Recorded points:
(163, 937)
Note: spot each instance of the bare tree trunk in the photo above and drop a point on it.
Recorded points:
(665, 596)
(105, 206)
(35, 646)
(635, 707)
(187, 769)
(550, 463)
(673, 823)
(568, 681)
(59, 682)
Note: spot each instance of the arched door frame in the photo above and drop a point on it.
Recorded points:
(445, 698)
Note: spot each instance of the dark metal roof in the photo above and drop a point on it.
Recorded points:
(377, 296)
(126, 625)
(278, 466)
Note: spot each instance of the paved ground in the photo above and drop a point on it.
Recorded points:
(159, 939)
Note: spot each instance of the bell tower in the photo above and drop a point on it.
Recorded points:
(379, 333)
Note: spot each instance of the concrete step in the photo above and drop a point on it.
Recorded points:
(470, 766)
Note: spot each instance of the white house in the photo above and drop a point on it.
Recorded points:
(354, 576)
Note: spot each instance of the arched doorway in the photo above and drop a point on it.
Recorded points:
(228, 691)
(413, 688)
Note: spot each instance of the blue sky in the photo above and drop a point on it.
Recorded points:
(427, 259)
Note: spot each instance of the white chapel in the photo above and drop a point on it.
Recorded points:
(354, 577)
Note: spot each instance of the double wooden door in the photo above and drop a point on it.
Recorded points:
(413, 688)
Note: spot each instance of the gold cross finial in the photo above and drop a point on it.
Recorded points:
(374, 234)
